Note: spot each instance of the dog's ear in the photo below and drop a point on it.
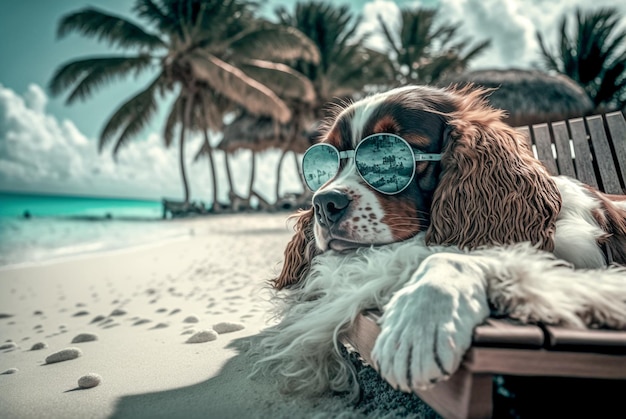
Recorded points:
(299, 252)
(492, 190)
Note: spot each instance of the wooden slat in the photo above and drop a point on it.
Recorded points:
(563, 149)
(617, 129)
(583, 159)
(544, 147)
(528, 362)
(362, 335)
(604, 157)
(504, 334)
(599, 341)
(464, 395)
(526, 133)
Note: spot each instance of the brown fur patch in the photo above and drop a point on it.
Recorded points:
(401, 218)
(387, 124)
(492, 189)
(299, 252)
(611, 219)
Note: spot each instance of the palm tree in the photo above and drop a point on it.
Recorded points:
(594, 55)
(345, 68)
(423, 50)
(190, 43)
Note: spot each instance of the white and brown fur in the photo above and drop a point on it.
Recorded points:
(485, 230)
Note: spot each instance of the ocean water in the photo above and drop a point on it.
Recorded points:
(37, 228)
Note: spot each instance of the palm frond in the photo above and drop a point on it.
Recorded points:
(275, 42)
(131, 117)
(280, 78)
(107, 27)
(88, 74)
(233, 83)
(391, 42)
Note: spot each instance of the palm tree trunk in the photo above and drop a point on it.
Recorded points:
(252, 170)
(299, 169)
(232, 196)
(181, 143)
(209, 148)
(279, 169)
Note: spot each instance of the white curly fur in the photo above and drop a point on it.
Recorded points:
(519, 281)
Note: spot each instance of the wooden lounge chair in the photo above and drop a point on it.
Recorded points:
(592, 150)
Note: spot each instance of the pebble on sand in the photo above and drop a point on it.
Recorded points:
(89, 380)
(191, 319)
(85, 337)
(64, 355)
(38, 346)
(8, 345)
(228, 327)
(9, 371)
(202, 336)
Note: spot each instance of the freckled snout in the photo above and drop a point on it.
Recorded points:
(330, 207)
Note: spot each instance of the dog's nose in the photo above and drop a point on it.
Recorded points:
(330, 207)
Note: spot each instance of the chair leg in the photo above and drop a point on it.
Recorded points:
(464, 395)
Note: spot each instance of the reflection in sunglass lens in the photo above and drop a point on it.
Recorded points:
(385, 162)
(320, 164)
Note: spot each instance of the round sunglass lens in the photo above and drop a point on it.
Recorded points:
(386, 163)
(319, 164)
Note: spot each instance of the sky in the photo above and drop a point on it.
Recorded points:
(48, 146)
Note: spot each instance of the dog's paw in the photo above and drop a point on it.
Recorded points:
(425, 332)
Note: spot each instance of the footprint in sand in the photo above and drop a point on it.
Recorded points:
(8, 346)
(89, 380)
(141, 321)
(202, 336)
(176, 310)
(9, 371)
(38, 346)
(191, 319)
(66, 354)
(228, 327)
(160, 326)
(81, 313)
(98, 318)
(161, 310)
(85, 337)
(117, 312)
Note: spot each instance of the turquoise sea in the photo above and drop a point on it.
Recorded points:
(36, 228)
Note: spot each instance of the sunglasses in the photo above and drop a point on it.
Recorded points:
(386, 162)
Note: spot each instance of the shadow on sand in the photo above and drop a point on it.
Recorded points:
(232, 394)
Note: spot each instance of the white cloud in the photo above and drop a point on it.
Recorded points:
(388, 11)
(509, 24)
(39, 153)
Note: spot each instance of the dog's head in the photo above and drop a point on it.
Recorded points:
(487, 188)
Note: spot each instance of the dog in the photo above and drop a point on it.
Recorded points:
(473, 226)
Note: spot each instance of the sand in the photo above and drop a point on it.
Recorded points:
(129, 318)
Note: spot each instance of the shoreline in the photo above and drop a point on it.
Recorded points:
(159, 231)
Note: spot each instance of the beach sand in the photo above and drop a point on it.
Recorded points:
(130, 315)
